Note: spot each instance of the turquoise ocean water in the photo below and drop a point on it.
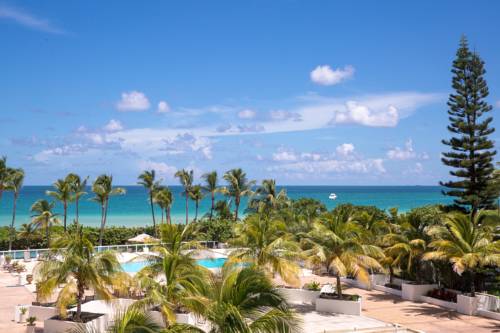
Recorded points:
(133, 208)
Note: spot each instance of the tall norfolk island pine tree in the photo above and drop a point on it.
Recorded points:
(471, 151)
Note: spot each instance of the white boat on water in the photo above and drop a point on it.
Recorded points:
(332, 196)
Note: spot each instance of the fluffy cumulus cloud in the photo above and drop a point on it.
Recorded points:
(326, 76)
(246, 114)
(184, 143)
(284, 155)
(345, 149)
(497, 104)
(346, 162)
(163, 107)
(133, 101)
(405, 153)
(113, 126)
(356, 113)
(163, 169)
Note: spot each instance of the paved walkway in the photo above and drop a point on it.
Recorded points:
(421, 316)
(10, 296)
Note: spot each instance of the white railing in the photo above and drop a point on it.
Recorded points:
(36, 253)
(391, 328)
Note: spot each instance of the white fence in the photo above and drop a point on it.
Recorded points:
(36, 253)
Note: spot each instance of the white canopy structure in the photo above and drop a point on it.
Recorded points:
(143, 238)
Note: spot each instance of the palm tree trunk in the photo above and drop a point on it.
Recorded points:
(65, 205)
(162, 216)
(213, 206)
(187, 208)
(76, 207)
(473, 284)
(12, 230)
(152, 211)
(168, 215)
(79, 297)
(339, 286)
(391, 274)
(101, 233)
(47, 234)
(196, 214)
(237, 206)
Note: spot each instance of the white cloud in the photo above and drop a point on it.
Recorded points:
(163, 169)
(356, 113)
(163, 107)
(186, 142)
(497, 104)
(284, 155)
(406, 153)
(326, 76)
(113, 126)
(45, 155)
(133, 101)
(284, 115)
(28, 20)
(246, 114)
(345, 149)
(361, 166)
(310, 156)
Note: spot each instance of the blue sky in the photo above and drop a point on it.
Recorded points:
(307, 92)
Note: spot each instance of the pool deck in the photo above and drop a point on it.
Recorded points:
(378, 308)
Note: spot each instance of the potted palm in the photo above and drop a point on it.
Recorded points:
(467, 243)
(30, 326)
(76, 266)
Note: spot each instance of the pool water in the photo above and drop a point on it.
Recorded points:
(135, 266)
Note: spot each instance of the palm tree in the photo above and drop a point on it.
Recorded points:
(163, 197)
(223, 209)
(466, 244)
(15, 184)
(244, 300)
(407, 242)
(103, 190)
(238, 187)
(264, 242)
(78, 187)
(336, 243)
(196, 195)
(4, 173)
(27, 231)
(147, 179)
(211, 187)
(186, 180)
(77, 267)
(62, 194)
(44, 217)
(183, 278)
(268, 194)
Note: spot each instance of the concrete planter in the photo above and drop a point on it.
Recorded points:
(467, 305)
(489, 314)
(30, 328)
(181, 318)
(41, 312)
(388, 290)
(439, 302)
(357, 283)
(18, 316)
(339, 306)
(52, 325)
(379, 279)
(300, 296)
(413, 292)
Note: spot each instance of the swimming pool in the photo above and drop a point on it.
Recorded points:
(135, 266)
